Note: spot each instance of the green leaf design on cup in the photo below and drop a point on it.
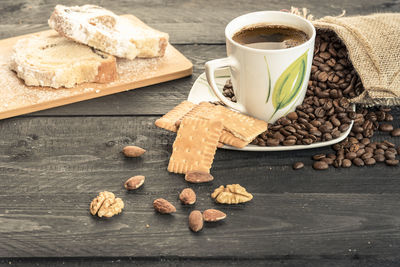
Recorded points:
(288, 85)
(269, 79)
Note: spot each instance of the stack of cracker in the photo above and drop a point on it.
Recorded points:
(201, 129)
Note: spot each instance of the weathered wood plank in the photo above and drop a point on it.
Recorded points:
(175, 261)
(177, 17)
(51, 168)
(88, 147)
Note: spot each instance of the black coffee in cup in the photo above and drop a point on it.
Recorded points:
(265, 36)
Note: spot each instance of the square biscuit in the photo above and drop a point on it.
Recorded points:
(207, 110)
(240, 129)
(228, 138)
(204, 110)
(168, 120)
(195, 145)
(242, 126)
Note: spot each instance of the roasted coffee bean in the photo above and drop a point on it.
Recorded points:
(346, 163)
(335, 121)
(365, 141)
(385, 127)
(395, 132)
(389, 155)
(351, 155)
(369, 150)
(279, 136)
(344, 127)
(393, 150)
(337, 147)
(261, 143)
(389, 144)
(327, 137)
(336, 134)
(307, 141)
(382, 146)
(360, 152)
(354, 148)
(298, 165)
(319, 156)
(372, 145)
(358, 162)
(388, 117)
(319, 112)
(331, 156)
(326, 128)
(272, 142)
(367, 155)
(379, 157)
(284, 132)
(328, 160)
(361, 145)
(392, 162)
(276, 127)
(284, 121)
(337, 163)
(316, 123)
(290, 129)
(322, 76)
(357, 129)
(369, 161)
(289, 142)
(302, 132)
(292, 116)
(315, 132)
(320, 165)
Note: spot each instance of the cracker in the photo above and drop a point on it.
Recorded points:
(240, 129)
(229, 139)
(240, 125)
(195, 145)
(204, 110)
(168, 120)
(207, 110)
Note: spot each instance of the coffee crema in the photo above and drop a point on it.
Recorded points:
(270, 37)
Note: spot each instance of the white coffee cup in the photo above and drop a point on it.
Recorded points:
(267, 84)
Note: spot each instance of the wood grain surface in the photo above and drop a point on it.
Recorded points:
(54, 162)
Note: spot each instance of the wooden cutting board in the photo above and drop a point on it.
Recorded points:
(16, 98)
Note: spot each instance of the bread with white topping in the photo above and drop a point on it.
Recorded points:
(121, 36)
(55, 61)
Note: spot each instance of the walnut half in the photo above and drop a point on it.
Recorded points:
(106, 205)
(231, 194)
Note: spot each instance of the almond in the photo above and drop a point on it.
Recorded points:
(197, 177)
(213, 215)
(187, 196)
(134, 182)
(163, 206)
(133, 151)
(195, 221)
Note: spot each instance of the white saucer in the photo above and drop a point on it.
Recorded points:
(201, 91)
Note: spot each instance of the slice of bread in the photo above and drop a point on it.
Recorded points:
(56, 61)
(121, 36)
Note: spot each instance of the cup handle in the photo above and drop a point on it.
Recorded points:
(211, 67)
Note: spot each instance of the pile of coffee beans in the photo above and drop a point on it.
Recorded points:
(326, 113)
(357, 149)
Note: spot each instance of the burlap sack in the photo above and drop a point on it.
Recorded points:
(373, 44)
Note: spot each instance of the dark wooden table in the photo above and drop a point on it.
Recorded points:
(53, 162)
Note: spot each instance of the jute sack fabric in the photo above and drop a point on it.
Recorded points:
(373, 44)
